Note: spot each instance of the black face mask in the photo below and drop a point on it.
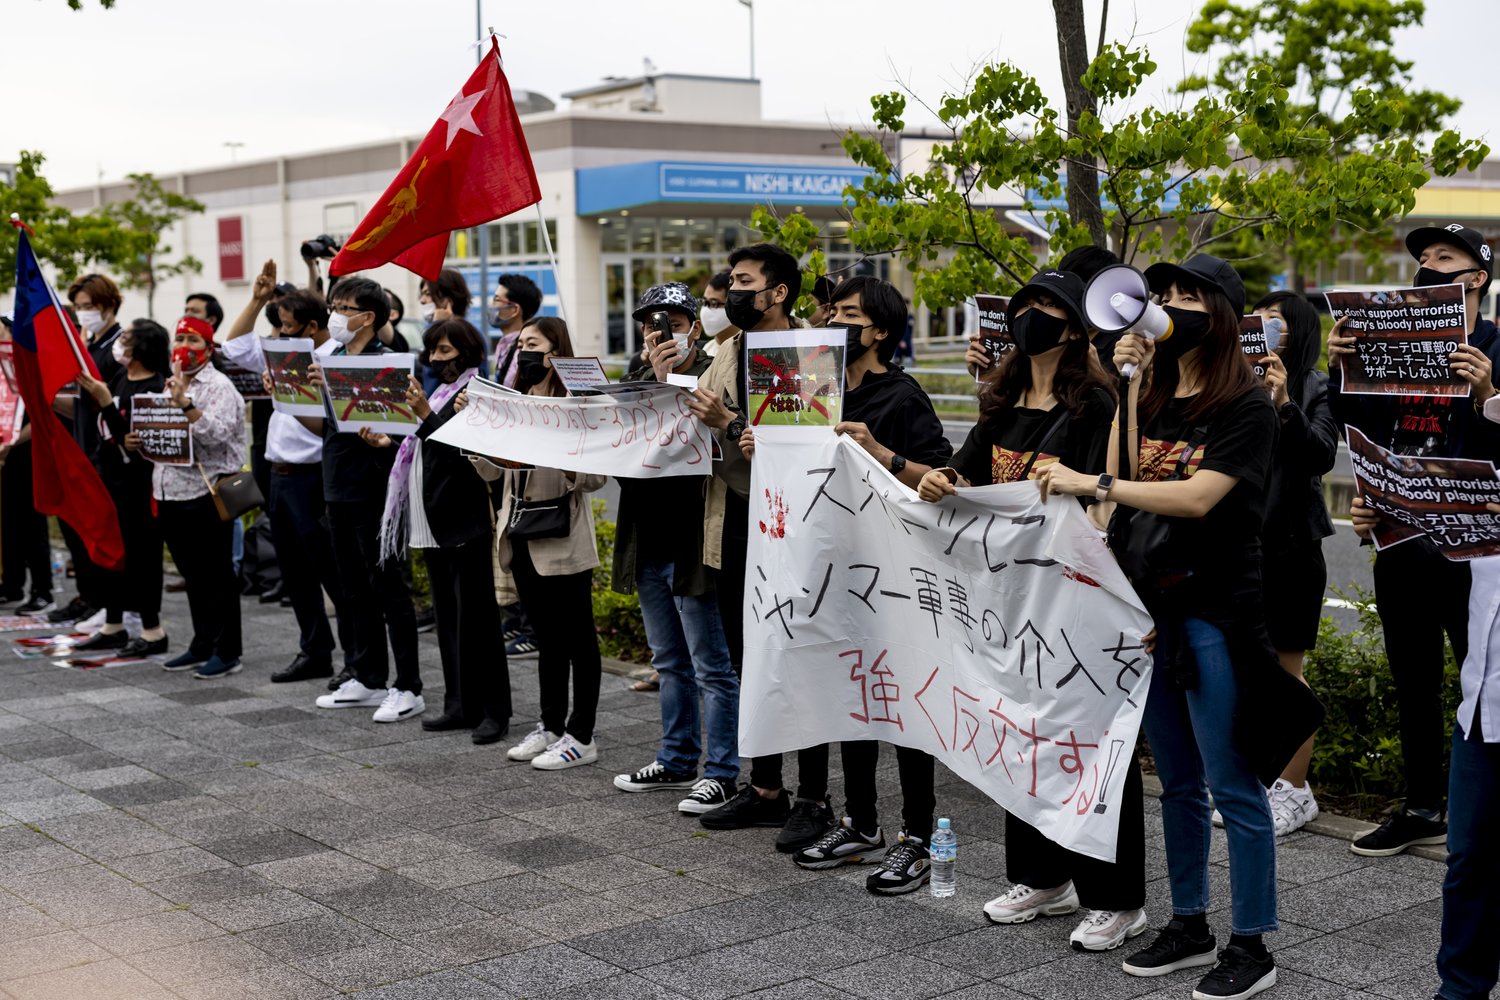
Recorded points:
(1036, 332)
(1427, 277)
(741, 309)
(1189, 328)
(531, 368)
(446, 371)
(854, 347)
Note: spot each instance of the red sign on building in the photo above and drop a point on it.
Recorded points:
(232, 248)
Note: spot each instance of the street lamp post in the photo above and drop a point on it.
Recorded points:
(749, 6)
(234, 149)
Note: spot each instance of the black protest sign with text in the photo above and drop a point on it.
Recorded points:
(165, 433)
(1255, 342)
(1403, 340)
(994, 328)
(1443, 498)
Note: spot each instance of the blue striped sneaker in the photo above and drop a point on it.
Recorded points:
(565, 753)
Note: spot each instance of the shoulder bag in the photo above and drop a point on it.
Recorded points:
(535, 519)
(234, 494)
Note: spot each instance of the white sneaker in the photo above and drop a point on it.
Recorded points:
(398, 705)
(1292, 808)
(1023, 903)
(1218, 819)
(707, 795)
(565, 753)
(1106, 930)
(352, 694)
(536, 741)
(91, 624)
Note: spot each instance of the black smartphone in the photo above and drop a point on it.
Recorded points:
(661, 323)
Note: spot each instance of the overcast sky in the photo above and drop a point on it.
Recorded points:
(161, 85)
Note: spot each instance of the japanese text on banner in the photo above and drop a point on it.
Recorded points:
(992, 631)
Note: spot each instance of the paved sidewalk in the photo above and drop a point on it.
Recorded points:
(167, 837)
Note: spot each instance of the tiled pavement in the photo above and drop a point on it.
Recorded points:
(166, 837)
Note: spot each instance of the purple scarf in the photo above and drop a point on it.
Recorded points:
(393, 523)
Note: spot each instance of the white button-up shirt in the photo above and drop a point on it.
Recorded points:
(1480, 676)
(287, 441)
(218, 439)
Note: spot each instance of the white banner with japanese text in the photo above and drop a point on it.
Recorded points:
(991, 630)
(635, 434)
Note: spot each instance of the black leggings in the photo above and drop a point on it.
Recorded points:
(1421, 595)
(476, 680)
(918, 799)
(23, 530)
(137, 587)
(561, 612)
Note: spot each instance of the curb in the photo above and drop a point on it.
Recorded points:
(1326, 825)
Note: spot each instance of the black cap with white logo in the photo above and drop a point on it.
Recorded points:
(1458, 235)
(1062, 287)
(1200, 271)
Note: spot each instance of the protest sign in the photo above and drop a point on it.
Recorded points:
(991, 630)
(994, 330)
(12, 413)
(8, 363)
(1443, 498)
(165, 433)
(796, 377)
(288, 360)
(641, 433)
(1254, 342)
(579, 375)
(369, 390)
(246, 382)
(1403, 338)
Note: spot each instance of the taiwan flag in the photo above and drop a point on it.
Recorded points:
(48, 355)
(473, 167)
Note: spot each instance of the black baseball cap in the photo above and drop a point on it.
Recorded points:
(1458, 235)
(1201, 270)
(1062, 287)
(672, 295)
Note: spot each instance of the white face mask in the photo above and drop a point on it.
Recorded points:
(91, 320)
(119, 352)
(427, 310)
(338, 328)
(684, 351)
(714, 320)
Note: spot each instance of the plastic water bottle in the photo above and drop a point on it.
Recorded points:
(943, 850)
(59, 574)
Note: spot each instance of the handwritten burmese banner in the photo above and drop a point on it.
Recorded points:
(992, 631)
(635, 434)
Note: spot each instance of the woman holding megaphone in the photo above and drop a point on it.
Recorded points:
(1200, 430)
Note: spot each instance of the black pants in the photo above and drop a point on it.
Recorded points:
(561, 612)
(475, 676)
(378, 597)
(305, 555)
(1420, 595)
(202, 547)
(918, 800)
(1031, 859)
(88, 576)
(137, 587)
(23, 531)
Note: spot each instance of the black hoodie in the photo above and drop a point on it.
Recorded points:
(1308, 443)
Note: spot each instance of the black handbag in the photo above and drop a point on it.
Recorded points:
(1154, 552)
(536, 519)
(234, 494)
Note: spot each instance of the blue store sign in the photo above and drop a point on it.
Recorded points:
(609, 189)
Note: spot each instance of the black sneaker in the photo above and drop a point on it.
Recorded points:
(807, 823)
(98, 642)
(139, 648)
(1400, 831)
(707, 795)
(303, 668)
(426, 620)
(337, 681)
(1173, 949)
(843, 845)
(1238, 975)
(905, 868)
(654, 777)
(39, 605)
(76, 610)
(748, 808)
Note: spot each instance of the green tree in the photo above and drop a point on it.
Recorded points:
(68, 242)
(1243, 156)
(146, 216)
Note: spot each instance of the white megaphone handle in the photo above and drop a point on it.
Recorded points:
(1153, 325)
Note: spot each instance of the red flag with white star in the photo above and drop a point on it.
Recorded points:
(473, 167)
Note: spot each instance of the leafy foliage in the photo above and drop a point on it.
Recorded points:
(617, 617)
(146, 216)
(1264, 146)
(69, 243)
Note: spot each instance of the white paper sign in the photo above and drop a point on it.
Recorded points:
(579, 375)
(991, 630)
(288, 360)
(650, 432)
(369, 390)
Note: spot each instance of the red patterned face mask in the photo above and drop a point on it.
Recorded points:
(190, 358)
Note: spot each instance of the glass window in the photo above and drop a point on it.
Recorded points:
(497, 240)
(613, 235)
(700, 236)
(643, 235)
(674, 236)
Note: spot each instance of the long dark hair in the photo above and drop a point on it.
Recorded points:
(150, 346)
(1304, 338)
(556, 331)
(1079, 375)
(1225, 370)
(462, 337)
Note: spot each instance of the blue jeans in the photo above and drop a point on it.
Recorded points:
(1467, 960)
(1192, 739)
(690, 655)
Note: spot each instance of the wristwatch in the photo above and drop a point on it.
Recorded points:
(735, 429)
(897, 464)
(1106, 483)
(188, 406)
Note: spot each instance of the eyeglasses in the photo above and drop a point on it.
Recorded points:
(347, 310)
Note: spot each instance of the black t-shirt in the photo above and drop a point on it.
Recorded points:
(1000, 445)
(899, 415)
(1223, 547)
(86, 411)
(118, 468)
(352, 470)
